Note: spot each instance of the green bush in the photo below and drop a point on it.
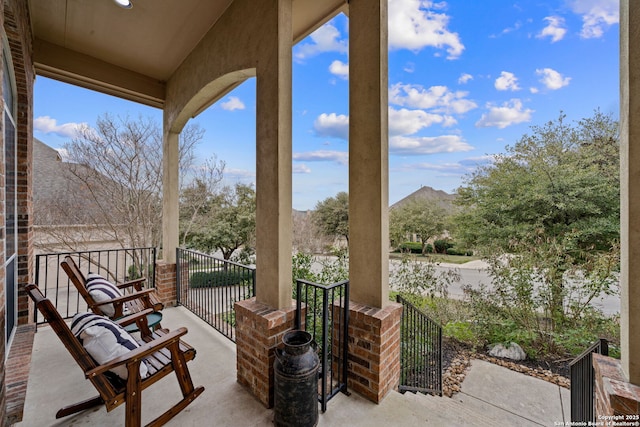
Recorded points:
(460, 330)
(214, 279)
(442, 245)
(454, 251)
(415, 248)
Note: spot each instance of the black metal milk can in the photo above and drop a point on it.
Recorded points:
(296, 381)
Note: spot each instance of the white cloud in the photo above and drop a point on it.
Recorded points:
(510, 113)
(414, 146)
(440, 169)
(332, 125)
(552, 79)
(233, 103)
(597, 16)
(464, 78)
(439, 98)
(415, 24)
(341, 157)
(408, 122)
(534, 90)
(554, 29)
(508, 30)
(239, 175)
(339, 69)
(46, 125)
(507, 81)
(301, 168)
(410, 67)
(325, 39)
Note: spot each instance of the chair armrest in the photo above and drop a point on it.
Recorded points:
(136, 283)
(139, 353)
(133, 318)
(125, 298)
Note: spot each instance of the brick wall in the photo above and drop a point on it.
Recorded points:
(259, 331)
(374, 350)
(17, 28)
(614, 395)
(166, 283)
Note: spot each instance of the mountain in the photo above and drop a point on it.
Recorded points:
(442, 198)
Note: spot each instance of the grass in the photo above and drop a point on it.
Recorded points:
(452, 259)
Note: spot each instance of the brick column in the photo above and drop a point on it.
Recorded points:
(614, 395)
(259, 331)
(166, 282)
(374, 350)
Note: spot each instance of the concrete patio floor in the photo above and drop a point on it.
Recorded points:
(491, 395)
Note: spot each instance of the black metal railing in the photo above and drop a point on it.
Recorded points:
(420, 351)
(117, 265)
(583, 383)
(323, 311)
(209, 287)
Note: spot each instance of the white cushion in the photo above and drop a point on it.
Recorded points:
(101, 290)
(104, 340)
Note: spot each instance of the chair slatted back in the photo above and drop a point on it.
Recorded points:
(72, 344)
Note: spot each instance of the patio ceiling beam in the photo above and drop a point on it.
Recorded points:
(66, 65)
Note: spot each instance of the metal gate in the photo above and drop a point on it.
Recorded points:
(420, 351)
(323, 311)
(583, 383)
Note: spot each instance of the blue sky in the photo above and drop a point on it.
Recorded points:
(466, 79)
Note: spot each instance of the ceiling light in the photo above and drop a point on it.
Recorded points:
(125, 4)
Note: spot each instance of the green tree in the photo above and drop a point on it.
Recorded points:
(197, 195)
(423, 217)
(552, 199)
(229, 222)
(332, 215)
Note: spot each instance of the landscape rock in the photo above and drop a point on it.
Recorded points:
(513, 352)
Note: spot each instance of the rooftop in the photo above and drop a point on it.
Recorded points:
(490, 394)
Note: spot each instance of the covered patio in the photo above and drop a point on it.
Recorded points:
(226, 403)
(184, 56)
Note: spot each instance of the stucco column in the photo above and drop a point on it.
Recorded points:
(368, 153)
(630, 188)
(273, 164)
(170, 190)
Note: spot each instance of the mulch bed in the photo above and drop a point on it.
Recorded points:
(456, 359)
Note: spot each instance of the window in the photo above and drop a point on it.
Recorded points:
(10, 163)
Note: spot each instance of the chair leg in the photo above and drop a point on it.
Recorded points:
(175, 409)
(80, 406)
(133, 398)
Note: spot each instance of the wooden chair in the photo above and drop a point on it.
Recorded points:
(162, 350)
(133, 302)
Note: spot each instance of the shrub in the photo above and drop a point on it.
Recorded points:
(460, 330)
(454, 251)
(214, 279)
(411, 247)
(442, 245)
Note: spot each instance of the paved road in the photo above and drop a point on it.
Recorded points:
(475, 274)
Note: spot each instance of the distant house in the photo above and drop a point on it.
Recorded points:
(65, 215)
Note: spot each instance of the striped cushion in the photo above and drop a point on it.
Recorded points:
(104, 340)
(101, 290)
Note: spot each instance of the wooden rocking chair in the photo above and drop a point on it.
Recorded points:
(163, 352)
(133, 302)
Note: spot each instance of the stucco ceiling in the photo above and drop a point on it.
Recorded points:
(132, 52)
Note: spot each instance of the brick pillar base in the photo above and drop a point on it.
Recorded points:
(374, 350)
(166, 283)
(614, 395)
(259, 331)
